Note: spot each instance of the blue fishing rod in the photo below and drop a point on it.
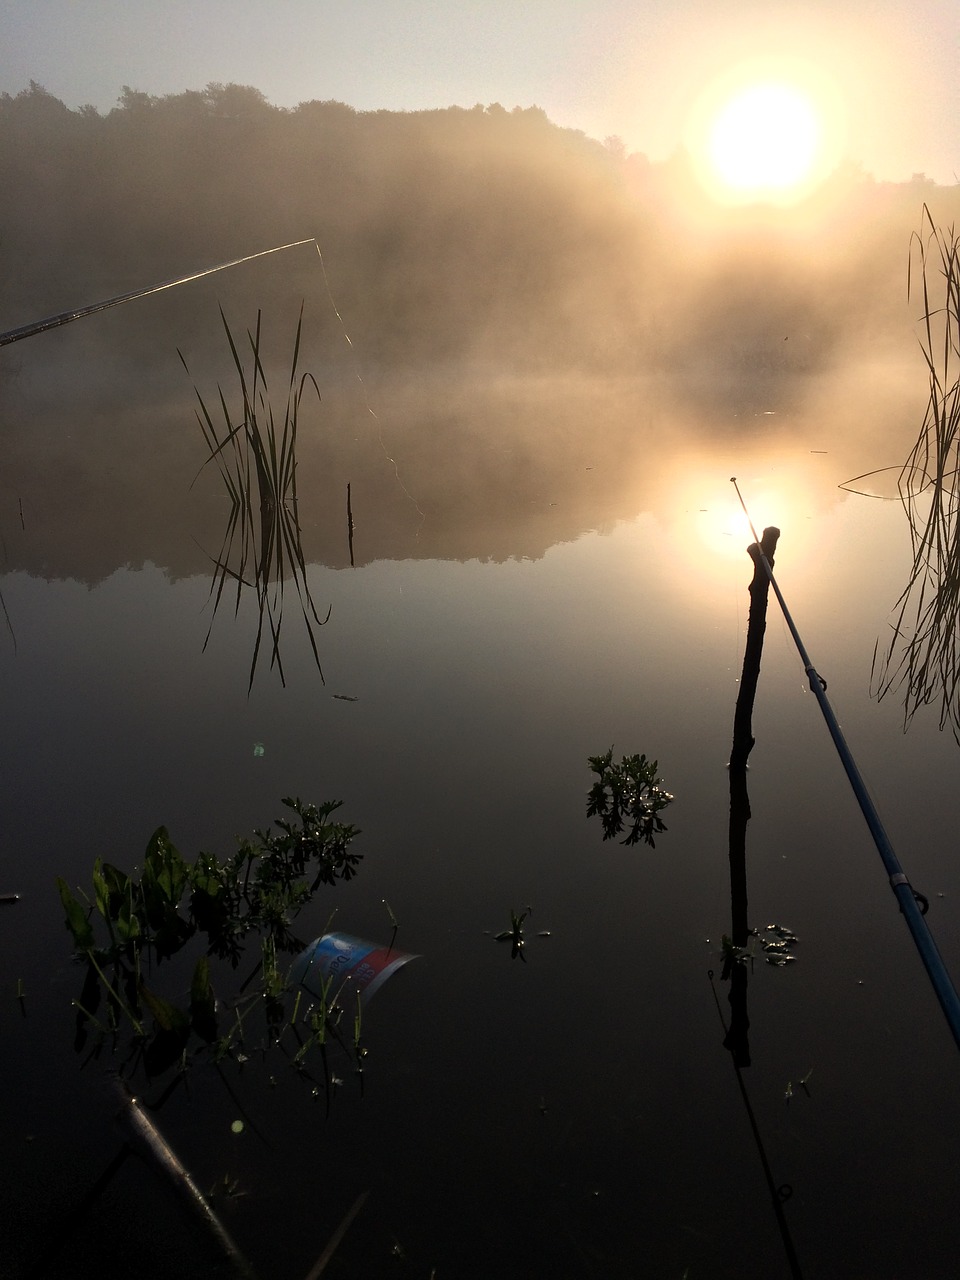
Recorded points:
(913, 905)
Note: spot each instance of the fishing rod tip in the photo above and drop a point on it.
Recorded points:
(733, 479)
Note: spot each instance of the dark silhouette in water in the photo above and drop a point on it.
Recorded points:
(743, 741)
(736, 1037)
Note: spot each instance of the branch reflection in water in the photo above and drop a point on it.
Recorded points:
(257, 460)
(736, 955)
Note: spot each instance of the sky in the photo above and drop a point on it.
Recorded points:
(889, 69)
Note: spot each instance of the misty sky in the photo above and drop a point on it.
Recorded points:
(603, 66)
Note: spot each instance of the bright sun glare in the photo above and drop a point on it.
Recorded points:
(765, 133)
(765, 138)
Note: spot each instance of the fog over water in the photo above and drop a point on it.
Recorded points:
(531, 316)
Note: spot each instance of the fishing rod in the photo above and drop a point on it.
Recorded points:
(53, 322)
(913, 905)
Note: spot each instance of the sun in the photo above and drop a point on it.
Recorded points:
(764, 134)
(765, 138)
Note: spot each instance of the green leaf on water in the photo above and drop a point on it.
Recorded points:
(101, 892)
(203, 1005)
(116, 902)
(76, 921)
(127, 922)
(165, 879)
(165, 874)
(166, 1015)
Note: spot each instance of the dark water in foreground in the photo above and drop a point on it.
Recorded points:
(537, 579)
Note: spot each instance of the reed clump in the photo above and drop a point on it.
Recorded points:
(256, 454)
(922, 655)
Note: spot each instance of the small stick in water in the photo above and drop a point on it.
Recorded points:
(350, 526)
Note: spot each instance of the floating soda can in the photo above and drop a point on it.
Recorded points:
(352, 963)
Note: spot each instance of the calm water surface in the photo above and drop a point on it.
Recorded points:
(541, 571)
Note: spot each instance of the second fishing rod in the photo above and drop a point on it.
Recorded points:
(912, 904)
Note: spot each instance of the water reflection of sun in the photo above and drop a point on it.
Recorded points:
(780, 491)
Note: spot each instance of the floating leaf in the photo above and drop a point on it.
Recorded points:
(203, 1005)
(77, 920)
(167, 1016)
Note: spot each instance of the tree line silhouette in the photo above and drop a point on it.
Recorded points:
(463, 234)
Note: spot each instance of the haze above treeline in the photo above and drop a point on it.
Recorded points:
(481, 234)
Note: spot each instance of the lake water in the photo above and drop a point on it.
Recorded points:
(543, 567)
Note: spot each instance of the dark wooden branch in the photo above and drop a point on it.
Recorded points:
(756, 627)
(737, 1040)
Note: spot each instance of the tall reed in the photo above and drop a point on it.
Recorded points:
(257, 459)
(923, 655)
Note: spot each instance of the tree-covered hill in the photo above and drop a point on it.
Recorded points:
(479, 234)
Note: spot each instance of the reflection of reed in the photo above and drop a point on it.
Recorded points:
(258, 463)
(923, 654)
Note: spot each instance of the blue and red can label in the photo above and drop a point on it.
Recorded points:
(349, 964)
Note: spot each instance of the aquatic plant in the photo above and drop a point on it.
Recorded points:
(922, 655)
(630, 792)
(257, 460)
(732, 955)
(776, 941)
(130, 925)
(803, 1083)
(514, 935)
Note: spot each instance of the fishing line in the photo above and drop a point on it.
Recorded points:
(363, 389)
(66, 317)
(913, 905)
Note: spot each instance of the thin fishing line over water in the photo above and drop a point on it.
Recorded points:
(363, 388)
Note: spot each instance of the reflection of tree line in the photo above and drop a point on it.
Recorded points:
(500, 471)
(256, 454)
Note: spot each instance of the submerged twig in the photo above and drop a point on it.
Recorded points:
(320, 1265)
(148, 1139)
(350, 526)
